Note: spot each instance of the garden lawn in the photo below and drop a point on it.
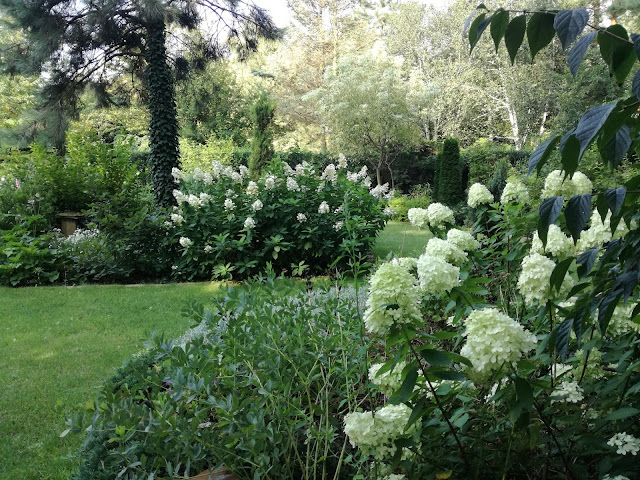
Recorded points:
(402, 239)
(57, 344)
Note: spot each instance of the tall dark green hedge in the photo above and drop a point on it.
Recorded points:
(262, 143)
(449, 189)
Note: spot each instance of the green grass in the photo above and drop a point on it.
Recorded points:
(402, 239)
(57, 344)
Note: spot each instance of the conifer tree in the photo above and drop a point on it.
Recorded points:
(80, 43)
(262, 143)
(449, 173)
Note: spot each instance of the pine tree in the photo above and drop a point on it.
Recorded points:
(80, 43)
(449, 174)
(262, 143)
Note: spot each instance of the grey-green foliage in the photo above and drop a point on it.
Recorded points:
(262, 142)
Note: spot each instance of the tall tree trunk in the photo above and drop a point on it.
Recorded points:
(163, 123)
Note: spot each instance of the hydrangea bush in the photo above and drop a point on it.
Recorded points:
(226, 222)
(497, 358)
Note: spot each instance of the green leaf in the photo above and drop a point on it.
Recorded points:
(467, 22)
(606, 308)
(448, 375)
(514, 35)
(590, 124)
(570, 154)
(617, 51)
(569, 24)
(577, 52)
(563, 335)
(615, 199)
(477, 28)
(406, 389)
(435, 357)
(499, 26)
(559, 272)
(616, 148)
(577, 214)
(459, 358)
(586, 261)
(541, 154)
(524, 398)
(540, 31)
(635, 85)
(549, 211)
(622, 413)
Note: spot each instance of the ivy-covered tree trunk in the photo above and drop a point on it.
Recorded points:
(163, 124)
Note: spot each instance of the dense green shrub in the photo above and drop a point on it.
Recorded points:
(419, 197)
(483, 158)
(259, 393)
(227, 224)
(196, 155)
(499, 178)
(262, 141)
(450, 190)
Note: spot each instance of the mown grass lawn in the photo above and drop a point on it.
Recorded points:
(401, 238)
(56, 346)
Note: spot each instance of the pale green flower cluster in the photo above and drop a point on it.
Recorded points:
(436, 275)
(392, 285)
(617, 477)
(478, 195)
(388, 382)
(514, 192)
(594, 364)
(463, 240)
(185, 242)
(625, 444)
(621, 323)
(408, 263)
(599, 232)
(439, 214)
(558, 244)
(418, 217)
(436, 247)
(493, 339)
(533, 281)
(557, 185)
(569, 392)
(380, 431)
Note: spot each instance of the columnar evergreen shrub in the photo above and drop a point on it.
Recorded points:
(262, 142)
(449, 180)
(226, 224)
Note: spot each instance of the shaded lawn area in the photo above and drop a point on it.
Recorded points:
(57, 344)
(401, 238)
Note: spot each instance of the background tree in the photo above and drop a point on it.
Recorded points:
(449, 173)
(79, 44)
(262, 143)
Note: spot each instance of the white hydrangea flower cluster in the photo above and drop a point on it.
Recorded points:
(439, 214)
(252, 189)
(338, 226)
(558, 244)
(478, 195)
(493, 339)
(244, 171)
(342, 161)
(436, 247)
(270, 182)
(408, 263)
(249, 223)
(356, 176)
(388, 382)
(257, 205)
(392, 285)
(569, 392)
(324, 208)
(395, 476)
(389, 211)
(514, 192)
(599, 232)
(177, 174)
(463, 240)
(292, 185)
(177, 218)
(436, 275)
(621, 323)
(379, 191)
(229, 205)
(625, 444)
(418, 217)
(301, 217)
(380, 431)
(82, 235)
(557, 185)
(330, 174)
(533, 281)
(594, 364)
(186, 242)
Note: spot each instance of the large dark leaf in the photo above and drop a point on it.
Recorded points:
(616, 148)
(435, 357)
(467, 22)
(559, 272)
(569, 24)
(586, 261)
(540, 31)
(477, 28)
(570, 154)
(635, 85)
(549, 211)
(499, 26)
(524, 398)
(406, 389)
(606, 308)
(615, 199)
(577, 214)
(591, 123)
(563, 335)
(541, 154)
(514, 35)
(635, 38)
(577, 52)
(617, 51)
